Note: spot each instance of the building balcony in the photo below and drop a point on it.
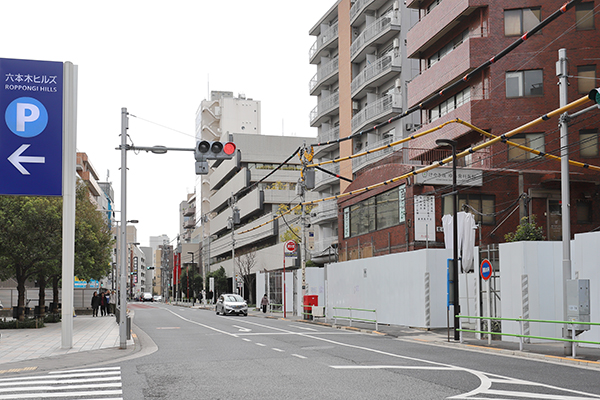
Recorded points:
(326, 107)
(325, 41)
(326, 75)
(379, 111)
(329, 135)
(323, 179)
(368, 159)
(189, 211)
(357, 12)
(382, 70)
(324, 211)
(441, 20)
(190, 223)
(452, 67)
(322, 245)
(380, 31)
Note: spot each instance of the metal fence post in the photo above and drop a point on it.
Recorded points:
(521, 337)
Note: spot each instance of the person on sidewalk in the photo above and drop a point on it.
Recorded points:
(264, 303)
(112, 302)
(103, 304)
(95, 304)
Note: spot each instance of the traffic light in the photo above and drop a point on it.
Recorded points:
(595, 96)
(206, 150)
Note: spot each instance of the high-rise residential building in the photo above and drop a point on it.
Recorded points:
(244, 183)
(361, 80)
(445, 40)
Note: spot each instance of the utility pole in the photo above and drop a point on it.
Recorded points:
(561, 71)
(123, 293)
(235, 219)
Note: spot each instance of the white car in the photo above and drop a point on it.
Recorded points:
(157, 297)
(229, 304)
(147, 296)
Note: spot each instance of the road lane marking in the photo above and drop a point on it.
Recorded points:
(242, 329)
(279, 350)
(261, 345)
(304, 328)
(299, 356)
(202, 325)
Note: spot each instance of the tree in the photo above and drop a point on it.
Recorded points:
(28, 239)
(195, 282)
(244, 264)
(31, 242)
(527, 230)
(220, 277)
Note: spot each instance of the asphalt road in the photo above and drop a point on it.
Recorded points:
(200, 355)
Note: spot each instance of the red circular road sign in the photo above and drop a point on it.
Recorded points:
(486, 269)
(290, 246)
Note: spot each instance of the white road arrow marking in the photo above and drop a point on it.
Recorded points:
(16, 159)
(242, 329)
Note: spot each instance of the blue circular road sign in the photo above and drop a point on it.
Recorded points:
(486, 269)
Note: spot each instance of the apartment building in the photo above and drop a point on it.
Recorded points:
(362, 73)
(244, 183)
(451, 39)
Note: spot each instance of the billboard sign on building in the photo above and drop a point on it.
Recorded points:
(443, 176)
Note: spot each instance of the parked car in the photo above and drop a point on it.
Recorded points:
(147, 297)
(228, 304)
(157, 297)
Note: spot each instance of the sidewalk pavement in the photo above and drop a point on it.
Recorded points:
(102, 333)
(89, 333)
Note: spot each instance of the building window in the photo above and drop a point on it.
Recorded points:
(480, 205)
(532, 140)
(450, 104)
(524, 83)
(517, 22)
(586, 78)
(448, 48)
(584, 16)
(584, 211)
(377, 212)
(588, 143)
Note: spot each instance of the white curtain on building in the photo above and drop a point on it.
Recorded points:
(466, 237)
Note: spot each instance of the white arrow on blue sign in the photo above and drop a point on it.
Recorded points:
(31, 132)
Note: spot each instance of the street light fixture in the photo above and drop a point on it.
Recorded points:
(454, 274)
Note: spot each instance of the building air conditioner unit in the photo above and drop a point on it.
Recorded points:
(396, 43)
(355, 105)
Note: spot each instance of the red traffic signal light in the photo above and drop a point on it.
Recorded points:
(206, 150)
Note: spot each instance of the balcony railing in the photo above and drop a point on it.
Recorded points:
(358, 7)
(326, 105)
(375, 70)
(325, 37)
(325, 210)
(324, 72)
(361, 162)
(373, 30)
(380, 107)
(322, 178)
(332, 134)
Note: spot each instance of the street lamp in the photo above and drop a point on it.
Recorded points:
(454, 275)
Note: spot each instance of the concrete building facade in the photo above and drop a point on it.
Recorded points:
(501, 183)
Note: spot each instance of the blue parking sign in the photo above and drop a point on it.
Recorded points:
(31, 127)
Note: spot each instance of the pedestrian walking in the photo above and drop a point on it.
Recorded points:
(264, 303)
(112, 302)
(95, 304)
(103, 304)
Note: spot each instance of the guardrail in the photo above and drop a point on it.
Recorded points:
(351, 318)
(521, 336)
(271, 310)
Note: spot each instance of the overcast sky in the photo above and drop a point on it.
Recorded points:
(159, 60)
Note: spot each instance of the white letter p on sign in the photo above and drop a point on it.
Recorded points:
(22, 116)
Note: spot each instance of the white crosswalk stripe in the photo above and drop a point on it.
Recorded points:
(88, 383)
